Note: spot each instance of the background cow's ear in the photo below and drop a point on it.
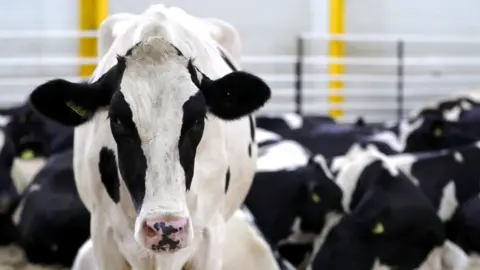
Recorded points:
(65, 102)
(235, 95)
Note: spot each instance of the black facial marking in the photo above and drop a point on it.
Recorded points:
(227, 180)
(129, 52)
(229, 63)
(250, 149)
(131, 159)
(252, 127)
(179, 53)
(193, 122)
(109, 175)
(193, 73)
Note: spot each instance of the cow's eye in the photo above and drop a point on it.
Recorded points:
(197, 124)
(117, 125)
(116, 121)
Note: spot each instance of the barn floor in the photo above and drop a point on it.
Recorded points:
(12, 258)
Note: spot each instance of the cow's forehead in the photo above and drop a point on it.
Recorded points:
(156, 83)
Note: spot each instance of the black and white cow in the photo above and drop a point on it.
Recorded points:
(34, 135)
(291, 195)
(447, 123)
(389, 221)
(319, 134)
(51, 220)
(157, 156)
(449, 178)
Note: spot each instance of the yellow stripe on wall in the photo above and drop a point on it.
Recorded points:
(91, 15)
(336, 50)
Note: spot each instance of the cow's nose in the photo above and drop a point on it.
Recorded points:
(166, 234)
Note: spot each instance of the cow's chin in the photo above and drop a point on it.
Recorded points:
(160, 245)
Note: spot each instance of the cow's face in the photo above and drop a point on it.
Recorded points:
(159, 106)
(391, 221)
(450, 124)
(321, 197)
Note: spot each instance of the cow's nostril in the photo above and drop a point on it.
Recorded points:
(149, 231)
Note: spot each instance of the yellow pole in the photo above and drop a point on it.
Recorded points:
(337, 50)
(91, 15)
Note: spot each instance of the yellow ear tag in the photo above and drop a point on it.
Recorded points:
(315, 198)
(79, 110)
(378, 229)
(437, 132)
(27, 154)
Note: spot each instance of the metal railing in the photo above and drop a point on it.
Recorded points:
(293, 88)
(400, 61)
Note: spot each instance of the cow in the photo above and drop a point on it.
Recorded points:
(387, 219)
(449, 180)
(164, 148)
(319, 134)
(49, 210)
(352, 245)
(443, 124)
(244, 248)
(34, 135)
(290, 196)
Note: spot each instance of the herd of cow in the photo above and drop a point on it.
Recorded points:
(158, 163)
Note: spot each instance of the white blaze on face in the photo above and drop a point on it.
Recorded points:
(156, 85)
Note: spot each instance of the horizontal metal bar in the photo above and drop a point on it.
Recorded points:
(312, 60)
(372, 78)
(46, 34)
(408, 38)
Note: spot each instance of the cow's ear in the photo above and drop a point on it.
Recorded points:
(235, 95)
(65, 102)
(72, 104)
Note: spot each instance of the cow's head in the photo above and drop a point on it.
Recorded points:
(449, 124)
(391, 221)
(320, 196)
(162, 112)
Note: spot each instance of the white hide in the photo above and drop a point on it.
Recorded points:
(111, 28)
(263, 135)
(243, 249)
(284, 155)
(221, 31)
(23, 171)
(447, 257)
(223, 144)
(350, 172)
